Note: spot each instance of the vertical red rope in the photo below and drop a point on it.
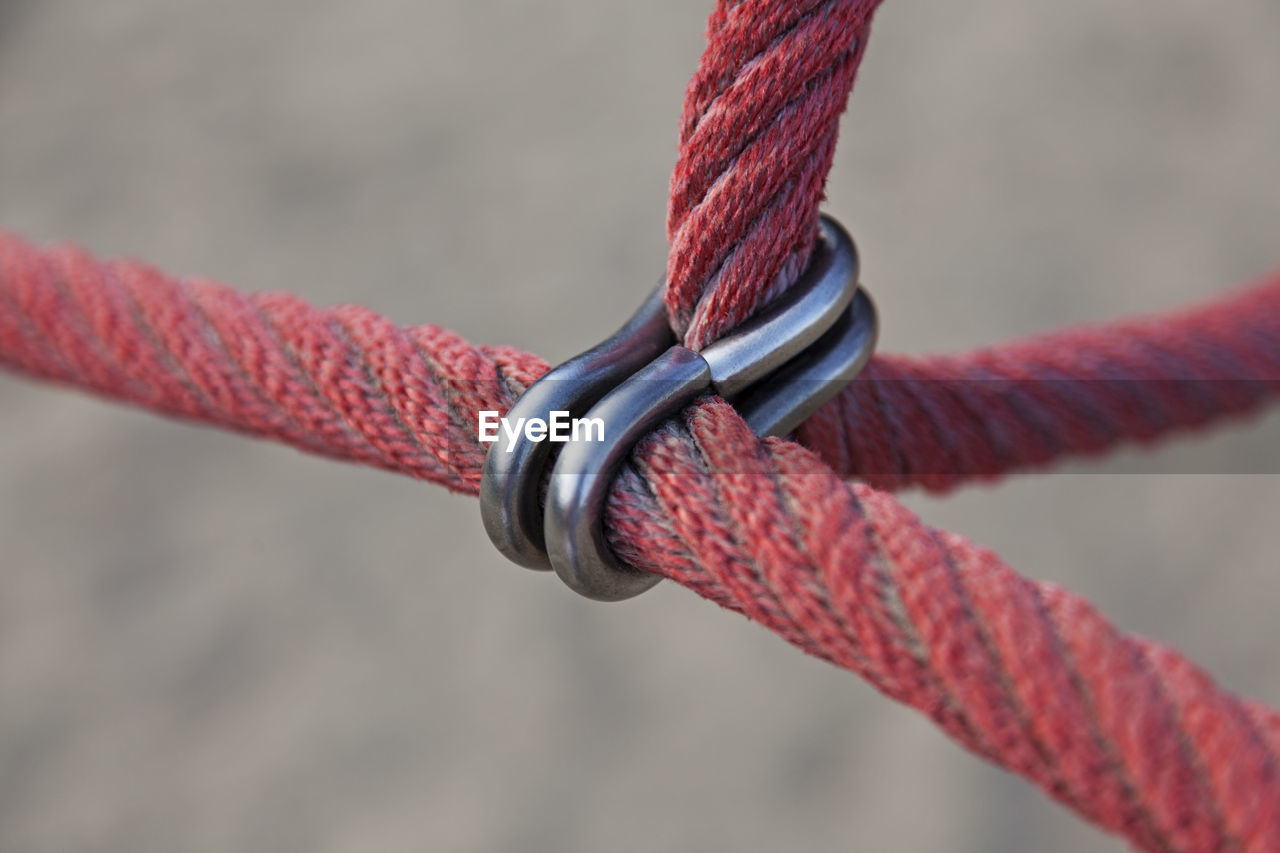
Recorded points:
(757, 137)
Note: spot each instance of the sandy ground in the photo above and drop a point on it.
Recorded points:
(211, 644)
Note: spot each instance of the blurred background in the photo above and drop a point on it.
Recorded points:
(209, 643)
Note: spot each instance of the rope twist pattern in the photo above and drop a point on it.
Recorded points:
(1124, 731)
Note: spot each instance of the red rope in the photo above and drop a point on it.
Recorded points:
(1126, 732)
(941, 420)
(757, 137)
(347, 383)
(1129, 734)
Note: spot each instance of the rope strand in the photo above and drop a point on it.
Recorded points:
(347, 383)
(940, 421)
(757, 138)
(1126, 732)
(1129, 734)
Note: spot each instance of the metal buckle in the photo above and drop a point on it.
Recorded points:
(777, 368)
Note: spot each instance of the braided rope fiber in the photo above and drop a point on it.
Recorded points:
(1126, 732)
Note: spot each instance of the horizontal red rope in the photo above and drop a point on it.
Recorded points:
(938, 421)
(1127, 733)
(349, 384)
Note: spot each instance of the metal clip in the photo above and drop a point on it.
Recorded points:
(777, 368)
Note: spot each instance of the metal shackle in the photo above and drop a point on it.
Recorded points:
(776, 368)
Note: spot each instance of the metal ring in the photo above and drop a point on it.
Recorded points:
(510, 481)
(777, 368)
(584, 472)
(787, 326)
(800, 387)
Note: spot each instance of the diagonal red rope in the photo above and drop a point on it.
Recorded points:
(1126, 732)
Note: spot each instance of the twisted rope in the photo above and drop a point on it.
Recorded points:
(349, 384)
(1128, 733)
(939, 421)
(757, 137)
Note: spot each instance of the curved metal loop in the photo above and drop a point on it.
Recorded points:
(785, 327)
(800, 387)
(777, 369)
(585, 471)
(511, 480)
